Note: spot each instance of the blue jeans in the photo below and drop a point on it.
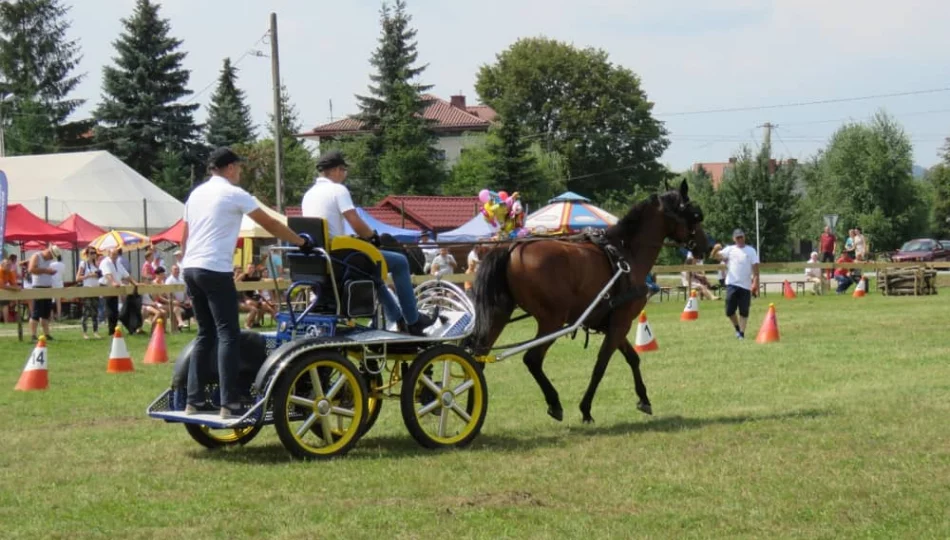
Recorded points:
(843, 283)
(215, 302)
(399, 268)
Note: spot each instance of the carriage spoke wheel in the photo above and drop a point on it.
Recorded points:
(444, 399)
(320, 406)
(218, 438)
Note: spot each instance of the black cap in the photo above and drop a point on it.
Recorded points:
(222, 157)
(331, 159)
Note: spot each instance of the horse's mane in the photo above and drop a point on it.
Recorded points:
(630, 222)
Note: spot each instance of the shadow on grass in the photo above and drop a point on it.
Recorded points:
(388, 446)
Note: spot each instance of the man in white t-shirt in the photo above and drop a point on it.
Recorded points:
(212, 219)
(443, 263)
(113, 275)
(58, 283)
(742, 279)
(330, 199)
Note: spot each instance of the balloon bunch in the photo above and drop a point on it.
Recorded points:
(504, 212)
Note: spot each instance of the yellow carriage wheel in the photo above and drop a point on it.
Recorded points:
(444, 399)
(218, 438)
(320, 406)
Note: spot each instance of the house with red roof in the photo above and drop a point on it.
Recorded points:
(717, 170)
(450, 120)
(420, 212)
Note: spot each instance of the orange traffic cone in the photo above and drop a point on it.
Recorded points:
(769, 330)
(35, 376)
(645, 341)
(157, 353)
(119, 359)
(861, 289)
(787, 290)
(691, 311)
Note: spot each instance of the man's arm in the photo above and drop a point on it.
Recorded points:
(755, 277)
(275, 227)
(184, 238)
(360, 226)
(716, 253)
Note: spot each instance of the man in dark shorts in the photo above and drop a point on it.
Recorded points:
(742, 279)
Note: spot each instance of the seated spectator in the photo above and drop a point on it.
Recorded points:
(815, 275)
(697, 281)
(652, 287)
(153, 306)
(843, 275)
(250, 301)
(8, 281)
(474, 257)
(443, 264)
(180, 302)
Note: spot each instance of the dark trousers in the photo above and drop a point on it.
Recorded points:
(112, 312)
(214, 299)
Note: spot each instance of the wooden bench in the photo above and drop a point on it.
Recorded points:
(798, 284)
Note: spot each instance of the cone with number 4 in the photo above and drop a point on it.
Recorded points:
(35, 376)
(646, 341)
(691, 311)
(119, 359)
(768, 333)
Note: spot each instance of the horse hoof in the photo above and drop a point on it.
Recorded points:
(557, 414)
(645, 407)
(588, 420)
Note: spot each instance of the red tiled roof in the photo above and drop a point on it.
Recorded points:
(434, 213)
(293, 211)
(444, 116)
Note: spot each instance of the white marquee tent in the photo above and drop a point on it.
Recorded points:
(96, 185)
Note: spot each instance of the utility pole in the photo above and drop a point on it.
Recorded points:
(768, 132)
(278, 144)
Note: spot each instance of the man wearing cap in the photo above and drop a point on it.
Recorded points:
(330, 199)
(742, 279)
(212, 219)
(41, 273)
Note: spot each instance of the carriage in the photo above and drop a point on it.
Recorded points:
(322, 377)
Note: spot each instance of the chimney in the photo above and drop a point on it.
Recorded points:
(732, 160)
(458, 102)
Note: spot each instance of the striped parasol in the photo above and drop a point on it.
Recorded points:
(127, 240)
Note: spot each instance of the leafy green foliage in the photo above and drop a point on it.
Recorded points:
(404, 155)
(37, 60)
(229, 116)
(578, 103)
(939, 179)
(259, 171)
(140, 115)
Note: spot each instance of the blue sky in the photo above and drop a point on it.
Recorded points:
(691, 55)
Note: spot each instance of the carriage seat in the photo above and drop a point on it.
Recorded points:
(348, 287)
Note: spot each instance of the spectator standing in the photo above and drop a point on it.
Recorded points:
(849, 244)
(443, 263)
(88, 275)
(471, 267)
(8, 282)
(860, 245)
(828, 244)
(113, 275)
(148, 267)
(41, 273)
(58, 283)
(429, 249)
(742, 279)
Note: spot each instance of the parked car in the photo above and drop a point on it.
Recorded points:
(922, 249)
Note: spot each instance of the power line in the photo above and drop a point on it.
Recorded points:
(250, 50)
(805, 103)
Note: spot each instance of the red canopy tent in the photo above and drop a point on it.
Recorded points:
(85, 231)
(24, 226)
(171, 234)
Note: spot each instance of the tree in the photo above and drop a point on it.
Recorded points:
(579, 104)
(756, 178)
(865, 175)
(939, 179)
(140, 115)
(407, 160)
(36, 64)
(229, 117)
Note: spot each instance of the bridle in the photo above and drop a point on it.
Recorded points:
(689, 215)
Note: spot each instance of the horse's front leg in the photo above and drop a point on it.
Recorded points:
(607, 348)
(633, 359)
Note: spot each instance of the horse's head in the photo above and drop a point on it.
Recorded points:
(684, 220)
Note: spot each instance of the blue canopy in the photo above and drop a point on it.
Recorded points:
(472, 230)
(401, 235)
(569, 196)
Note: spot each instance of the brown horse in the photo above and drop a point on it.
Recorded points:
(555, 281)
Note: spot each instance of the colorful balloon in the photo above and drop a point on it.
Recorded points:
(484, 196)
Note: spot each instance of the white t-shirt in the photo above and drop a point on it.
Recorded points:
(860, 246)
(213, 213)
(172, 280)
(108, 267)
(444, 263)
(328, 200)
(472, 260)
(58, 276)
(739, 263)
(91, 280)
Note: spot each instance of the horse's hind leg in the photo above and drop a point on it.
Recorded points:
(634, 360)
(607, 349)
(534, 360)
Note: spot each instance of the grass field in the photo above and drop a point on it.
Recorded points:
(838, 431)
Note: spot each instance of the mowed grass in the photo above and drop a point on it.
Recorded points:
(838, 431)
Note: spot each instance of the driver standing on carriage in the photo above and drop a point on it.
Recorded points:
(330, 199)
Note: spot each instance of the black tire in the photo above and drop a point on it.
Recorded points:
(235, 437)
(293, 383)
(417, 395)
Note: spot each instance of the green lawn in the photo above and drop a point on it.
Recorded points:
(838, 431)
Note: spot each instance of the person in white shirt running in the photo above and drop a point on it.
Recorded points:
(742, 279)
(212, 219)
(330, 199)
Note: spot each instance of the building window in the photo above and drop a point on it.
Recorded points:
(440, 155)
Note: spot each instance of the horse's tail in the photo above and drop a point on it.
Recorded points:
(493, 298)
